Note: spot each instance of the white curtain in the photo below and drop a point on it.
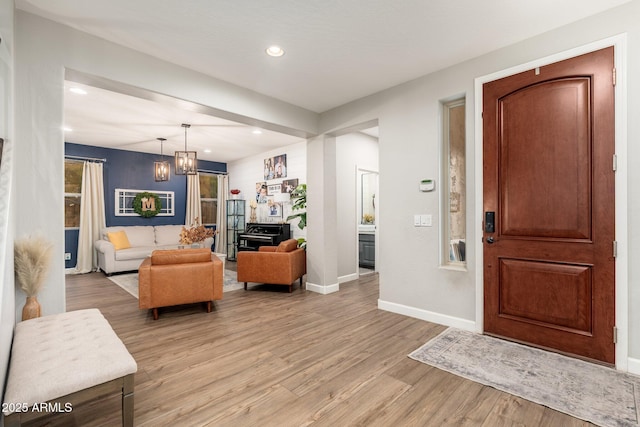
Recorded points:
(194, 209)
(221, 225)
(92, 216)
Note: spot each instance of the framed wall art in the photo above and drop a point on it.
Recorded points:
(261, 192)
(288, 185)
(273, 189)
(275, 210)
(275, 167)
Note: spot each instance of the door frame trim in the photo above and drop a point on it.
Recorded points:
(619, 43)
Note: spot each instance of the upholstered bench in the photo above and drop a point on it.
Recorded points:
(65, 359)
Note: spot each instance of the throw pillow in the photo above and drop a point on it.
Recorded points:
(287, 246)
(119, 240)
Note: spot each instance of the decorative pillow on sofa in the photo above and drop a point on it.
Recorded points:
(287, 246)
(119, 240)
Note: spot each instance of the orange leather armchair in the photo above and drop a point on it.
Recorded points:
(274, 265)
(180, 276)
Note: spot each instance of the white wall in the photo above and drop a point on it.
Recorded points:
(7, 286)
(44, 50)
(245, 173)
(411, 280)
(353, 151)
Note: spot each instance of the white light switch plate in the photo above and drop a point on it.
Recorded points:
(425, 220)
(416, 220)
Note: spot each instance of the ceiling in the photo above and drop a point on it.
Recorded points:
(110, 119)
(336, 51)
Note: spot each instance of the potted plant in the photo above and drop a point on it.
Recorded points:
(299, 197)
(32, 257)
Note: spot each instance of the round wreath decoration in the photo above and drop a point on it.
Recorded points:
(144, 198)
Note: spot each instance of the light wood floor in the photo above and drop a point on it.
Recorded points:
(265, 357)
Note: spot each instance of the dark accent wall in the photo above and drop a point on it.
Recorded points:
(133, 170)
(71, 246)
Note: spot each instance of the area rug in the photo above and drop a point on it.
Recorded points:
(129, 282)
(583, 390)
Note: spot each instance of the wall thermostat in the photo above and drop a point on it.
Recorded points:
(427, 185)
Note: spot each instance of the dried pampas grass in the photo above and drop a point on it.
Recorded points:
(32, 257)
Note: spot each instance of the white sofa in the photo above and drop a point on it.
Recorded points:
(143, 239)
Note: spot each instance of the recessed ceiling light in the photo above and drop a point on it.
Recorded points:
(275, 51)
(256, 131)
(78, 91)
(67, 129)
(206, 150)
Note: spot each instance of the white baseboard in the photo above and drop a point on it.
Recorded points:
(324, 290)
(347, 278)
(442, 319)
(633, 366)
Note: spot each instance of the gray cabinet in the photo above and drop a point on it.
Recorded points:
(367, 250)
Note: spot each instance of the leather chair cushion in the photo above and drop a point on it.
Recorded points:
(180, 256)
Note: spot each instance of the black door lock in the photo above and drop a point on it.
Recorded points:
(489, 222)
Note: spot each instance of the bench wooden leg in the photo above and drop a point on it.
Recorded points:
(155, 313)
(245, 286)
(127, 401)
(209, 306)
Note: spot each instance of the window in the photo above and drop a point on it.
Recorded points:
(72, 192)
(454, 183)
(208, 198)
(125, 197)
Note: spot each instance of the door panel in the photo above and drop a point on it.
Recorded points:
(545, 160)
(548, 148)
(547, 294)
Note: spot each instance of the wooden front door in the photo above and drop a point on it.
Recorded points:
(549, 182)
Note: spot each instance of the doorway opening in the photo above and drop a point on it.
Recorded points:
(366, 221)
(356, 154)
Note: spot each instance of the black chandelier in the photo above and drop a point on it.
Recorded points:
(186, 161)
(162, 169)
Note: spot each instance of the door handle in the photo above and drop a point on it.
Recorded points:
(490, 240)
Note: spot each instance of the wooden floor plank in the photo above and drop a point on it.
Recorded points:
(363, 407)
(272, 358)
